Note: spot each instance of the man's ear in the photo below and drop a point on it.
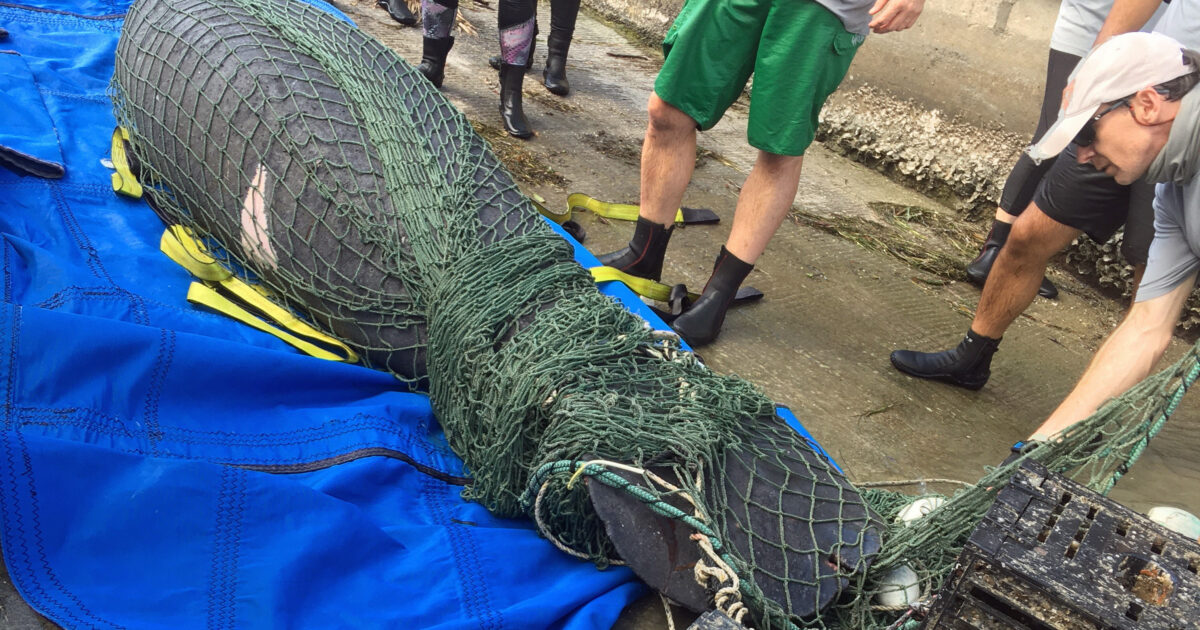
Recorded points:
(1147, 107)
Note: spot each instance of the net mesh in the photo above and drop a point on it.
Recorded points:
(312, 158)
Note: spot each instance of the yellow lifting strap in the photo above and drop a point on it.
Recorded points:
(123, 180)
(539, 204)
(617, 211)
(225, 293)
(644, 287)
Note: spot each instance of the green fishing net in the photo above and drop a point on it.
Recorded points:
(315, 162)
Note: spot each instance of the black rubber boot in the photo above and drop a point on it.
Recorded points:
(399, 11)
(701, 322)
(644, 255)
(515, 123)
(433, 59)
(555, 75)
(969, 365)
(978, 269)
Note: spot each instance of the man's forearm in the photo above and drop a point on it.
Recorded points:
(1124, 360)
(1126, 16)
(1127, 356)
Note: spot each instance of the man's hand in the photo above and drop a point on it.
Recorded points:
(894, 15)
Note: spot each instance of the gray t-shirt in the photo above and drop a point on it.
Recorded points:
(1079, 23)
(1175, 251)
(852, 13)
(1181, 20)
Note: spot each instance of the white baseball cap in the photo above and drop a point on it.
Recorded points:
(1112, 71)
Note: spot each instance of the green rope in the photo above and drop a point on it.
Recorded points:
(1175, 398)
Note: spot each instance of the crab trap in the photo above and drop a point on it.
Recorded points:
(1054, 555)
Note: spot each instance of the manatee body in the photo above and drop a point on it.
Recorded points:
(252, 142)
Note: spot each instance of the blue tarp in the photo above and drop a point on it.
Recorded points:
(162, 466)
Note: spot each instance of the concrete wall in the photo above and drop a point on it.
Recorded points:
(983, 60)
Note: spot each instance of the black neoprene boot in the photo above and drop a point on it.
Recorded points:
(433, 59)
(968, 365)
(515, 123)
(555, 74)
(701, 322)
(978, 269)
(644, 255)
(399, 11)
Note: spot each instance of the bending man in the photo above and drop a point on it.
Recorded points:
(1060, 199)
(1133, 112)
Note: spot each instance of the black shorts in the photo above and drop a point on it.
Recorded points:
(1079, 196)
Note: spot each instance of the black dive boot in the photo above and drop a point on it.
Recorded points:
(515, 123)
(555, 75)
(969, 365)
(643, 257)
(978, 269)
(399, 11)
(433, 59)
(701, 322)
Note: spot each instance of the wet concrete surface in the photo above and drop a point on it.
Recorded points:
(833, 311)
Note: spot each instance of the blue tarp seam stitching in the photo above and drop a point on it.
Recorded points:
(18, 7)
(58, 300)
(226, 544)
(80, 186)
(47, 599)
(475, 595)
(98, 98)
(162, 365)
(400, 442)
(10, 383)
(9, 252)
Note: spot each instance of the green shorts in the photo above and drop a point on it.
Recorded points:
(797, 50)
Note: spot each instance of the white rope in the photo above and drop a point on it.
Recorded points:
(541, 525)
(667, 611)
(728, 599)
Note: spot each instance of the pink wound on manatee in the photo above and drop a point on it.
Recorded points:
(255, 241)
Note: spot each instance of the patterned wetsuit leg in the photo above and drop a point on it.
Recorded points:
(517, 20)
(437, 17)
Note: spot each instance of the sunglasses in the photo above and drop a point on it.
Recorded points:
(1087, 135)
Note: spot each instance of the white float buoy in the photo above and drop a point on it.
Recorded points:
(900, 586)
(1176, 520)
(918, 509)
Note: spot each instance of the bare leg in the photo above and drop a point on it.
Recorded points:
(1017, 274)
(668, 158)
(763, 203)
(1010, 288)
(1005, 217)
